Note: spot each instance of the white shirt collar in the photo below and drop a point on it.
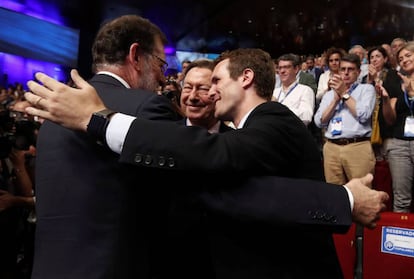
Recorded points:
(115, 76)
(243, 120)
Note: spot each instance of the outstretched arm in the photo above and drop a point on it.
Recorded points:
(298, 202)
(60, 103)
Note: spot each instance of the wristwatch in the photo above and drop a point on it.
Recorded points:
(97, 125)
(346, 97)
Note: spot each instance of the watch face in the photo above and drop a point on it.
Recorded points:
(346, 96)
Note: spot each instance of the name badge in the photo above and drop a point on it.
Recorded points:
(409, 127)
(336, 126)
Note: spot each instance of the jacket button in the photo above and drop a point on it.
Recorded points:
(148, 160)
(161, 161)
(312, 214)
(138, 158)
(171, 162)
(320, 215)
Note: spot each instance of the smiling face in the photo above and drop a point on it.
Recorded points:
(287, 72)
(198, 105)
(406, 60)
(227, 92)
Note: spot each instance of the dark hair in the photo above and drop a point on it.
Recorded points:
(334, 50)
(259, 61)
(295, 59)
(383, 52)
(352, 58)
(115, 37)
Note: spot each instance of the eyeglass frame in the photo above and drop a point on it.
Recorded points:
(347, 69)
(164, 64)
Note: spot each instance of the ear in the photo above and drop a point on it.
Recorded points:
(133, 55)
(247, 77)
(297, 69)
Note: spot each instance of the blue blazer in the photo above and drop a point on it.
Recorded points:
(264, 226)
(95, 216)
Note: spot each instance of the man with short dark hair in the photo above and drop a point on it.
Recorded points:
(93, 222)
(345, 112)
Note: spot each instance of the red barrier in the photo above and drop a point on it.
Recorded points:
(388, 250)
(346, 250)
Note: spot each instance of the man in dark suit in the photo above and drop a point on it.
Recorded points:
(92, 220)
(314, 71)
(272, 141)
(187, 243)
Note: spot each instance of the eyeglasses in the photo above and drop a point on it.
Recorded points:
(347, 69)
(163, 65)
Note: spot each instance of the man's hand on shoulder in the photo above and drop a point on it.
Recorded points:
(62, 104)
(368, 203)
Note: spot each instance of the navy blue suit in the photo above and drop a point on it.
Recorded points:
(95, 217)
(264, 226)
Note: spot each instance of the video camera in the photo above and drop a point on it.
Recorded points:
(15, 132)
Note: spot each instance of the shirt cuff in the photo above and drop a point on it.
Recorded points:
(117, 130)
(351, 198)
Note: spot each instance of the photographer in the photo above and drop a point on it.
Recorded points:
(17, 153)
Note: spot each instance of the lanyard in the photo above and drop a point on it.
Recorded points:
(341, 104)
(290, 90)
(409, 103)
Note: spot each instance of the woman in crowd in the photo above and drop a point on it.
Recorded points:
(400, 147)
(333, 59)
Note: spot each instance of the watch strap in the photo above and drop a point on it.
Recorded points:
(346, 96)
(98, 124)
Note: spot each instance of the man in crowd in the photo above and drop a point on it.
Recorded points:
(345, 112)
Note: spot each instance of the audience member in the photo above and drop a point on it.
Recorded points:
(172, 90)
(17, 217)
(380, 71)
(307, 79)
(297, 97)
(398, 111)
(251, 148)
(345, 112)
(396, 45)
(362, 54)
(180, 75)
(312, 69)
(333, 60)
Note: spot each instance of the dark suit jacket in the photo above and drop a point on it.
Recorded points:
(273, 141)
(318, 71)
(90, 208)
(187, 244)
(309, 80)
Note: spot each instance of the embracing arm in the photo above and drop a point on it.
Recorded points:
(297, 202)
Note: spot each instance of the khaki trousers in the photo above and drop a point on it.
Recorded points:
(344, 162)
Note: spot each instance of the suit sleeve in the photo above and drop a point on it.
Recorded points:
(283, 201)
(265, 147)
